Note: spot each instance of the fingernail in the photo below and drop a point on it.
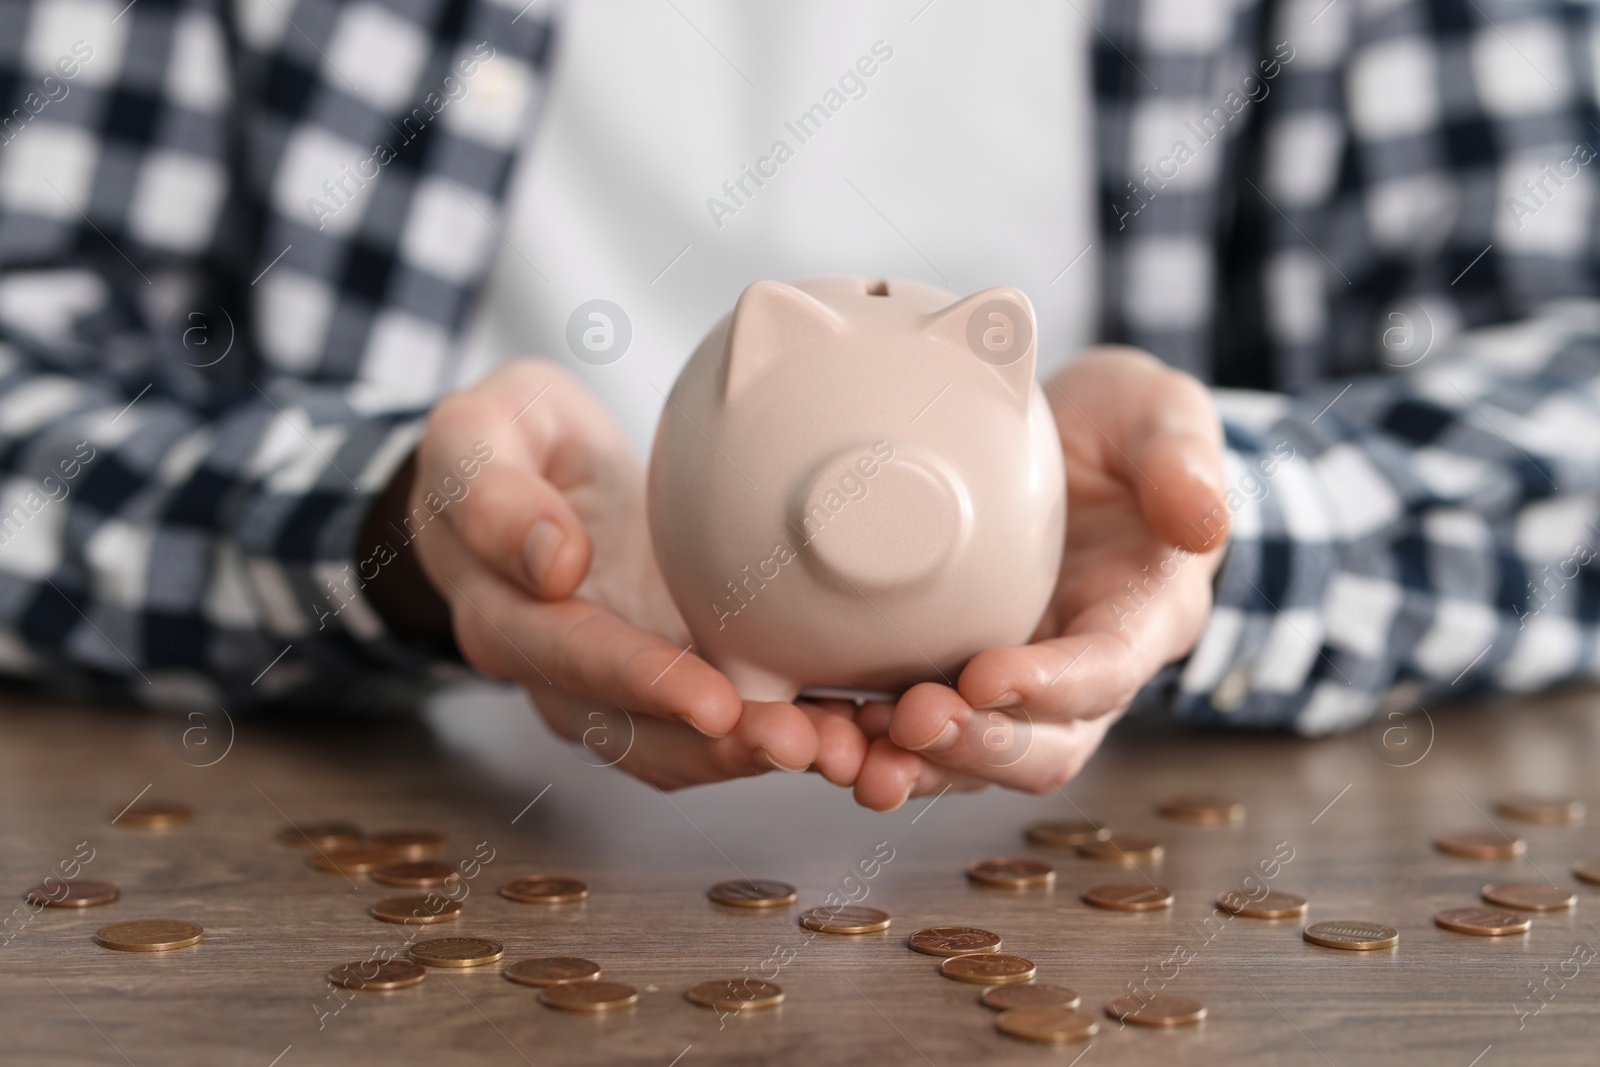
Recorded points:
(942, 740)
(1008, 699)
(540, 549)
(763, 758)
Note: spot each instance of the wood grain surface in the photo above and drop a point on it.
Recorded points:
(482, 770)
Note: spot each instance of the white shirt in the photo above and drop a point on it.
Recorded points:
(964, 159)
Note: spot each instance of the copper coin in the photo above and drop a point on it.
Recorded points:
(544, 889)
(456, 952)
(324, 835)
(82, 893)
(953, 940)
(552, 970)
(1487, 922)
(416, 911)
(988, 968)
(1121, 848)
(1529, 896)
(1481, 845)
(149, 935)
(1527, 807)
(850, 919)
(759, 893)
(152, 815)
(1162, 1009)
(1011, 873)
(1351, 934)
(357, 860)
(1588, 870)
(414, 873)
(589, 996)
(1273, 905)
(1067, 832)
(737, 994)
(408, 844)
(377, 975)
(1027, 996)
(1128, 896)
(1047, 1026)
(1204, 808)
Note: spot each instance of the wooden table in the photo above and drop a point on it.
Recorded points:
(480, 768)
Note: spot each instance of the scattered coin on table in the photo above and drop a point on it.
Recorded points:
(377, 975)
(1588, 871)
(324, 835)
(988, 968)
(1047, 1026)
(1027, 995)
(152, 815)
(1204, 808)
(1481, 845)
(149, 935)
(753, 893)
(356, 860)
(1485, 922)
(1351, 934)
(416, 911)
(1011, 873)
(1121, 848)
(1066, 832)
(456, 952)
(421, 873)
(1528, 807)
(408, 844)
(1274, 904)
(1529, 896)
(953, 940)
(1161, 1009)
(589, 996)
(1128, 896)
(78, 893)
(544, 889)
(551, 970)
(849, 919)
(737, 994)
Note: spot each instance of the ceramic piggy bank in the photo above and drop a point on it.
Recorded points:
(857, 484)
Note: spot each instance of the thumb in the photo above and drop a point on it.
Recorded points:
(1178, 477)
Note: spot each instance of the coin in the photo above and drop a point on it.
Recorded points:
(544, 889)
(988, 968)
(759, 893)
(414, 911)
(1588, 870)
(1011, 873)
(737, 994)
(457, 952)
(356, 860)
(1481, 845)
(1162, 1009)
(1488, 922)
(1065, 832)
(1528, 807)
(414, 873)
(1205, 808)
(1028, 995)
(149, 935)
(1128, 896)
(1351, 934)
(408, 844)
(849, 919)
(552, 970)
(1529, 896)
(1121, 848)
(1274, 905)
(953, 940)
(81, 893)
(377, 975)
(1047, 1026)
(152, 815)
(324, 835)
(589, 996)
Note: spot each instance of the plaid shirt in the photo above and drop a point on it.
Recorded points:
(238, 242)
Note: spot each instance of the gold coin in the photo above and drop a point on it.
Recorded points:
(377, 975)
(357, 860)
(1274, 905)
(1011, 873)
(408, 844)
(589, 996)
(1121, 848)
(1162, 1009)
(849, 919)
(1487, 922)
(1128, 896)
(82, 893)
(414, 873)
(759, 893)
(1047, 1026)
(988, 968)
(152, 815)
(737, 994)
(953, 940)
(324, 835)
(1065, 832)
(149, 935)
(416, 911)
(1527, 807)
(1588, 870)
(1351, 934)
(1529, 896)
(1481, 845)
(1032, 996)
(544, 889)
(456, 952)
(1204, 808)
(552, 970)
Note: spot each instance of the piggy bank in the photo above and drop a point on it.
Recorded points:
(857, 485)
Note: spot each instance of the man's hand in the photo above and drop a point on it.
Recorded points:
(1146, 524)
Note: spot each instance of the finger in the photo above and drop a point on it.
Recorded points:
(873, 718)
(1177, 453)
(841, 745)
(890, 776)
(769, 736)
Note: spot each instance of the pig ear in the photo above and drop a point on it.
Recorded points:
(773, 321)
(998, 327)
